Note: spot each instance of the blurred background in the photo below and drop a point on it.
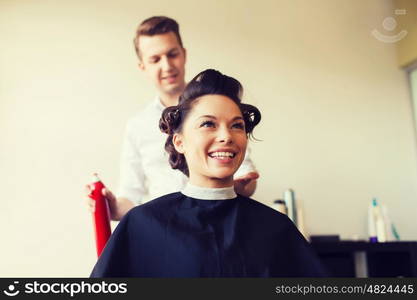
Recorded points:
(332, 78)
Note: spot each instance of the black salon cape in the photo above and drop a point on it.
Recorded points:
(179, 236)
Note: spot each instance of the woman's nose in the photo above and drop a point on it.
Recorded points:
(225, 136)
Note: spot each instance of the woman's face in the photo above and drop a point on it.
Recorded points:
(213, 140)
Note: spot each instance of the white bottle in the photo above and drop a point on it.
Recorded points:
(371, 224)
(290, 203)
(300, 221)
(387, 223)
(377, 226)
(280, 206)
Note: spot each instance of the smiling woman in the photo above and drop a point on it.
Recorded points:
(207, 230)
(208, 130)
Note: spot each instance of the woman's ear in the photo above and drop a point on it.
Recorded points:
(178, 142)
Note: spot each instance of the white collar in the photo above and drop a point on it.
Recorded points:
(158, 104)
(204, 193)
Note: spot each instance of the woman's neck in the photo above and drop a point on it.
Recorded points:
(205, 193)
(211, 182)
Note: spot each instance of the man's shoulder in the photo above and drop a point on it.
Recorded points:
(150, 111)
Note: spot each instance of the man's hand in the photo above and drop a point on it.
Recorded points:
(118, 207)
(246, 185)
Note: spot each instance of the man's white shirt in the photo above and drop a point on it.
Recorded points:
(145, 172)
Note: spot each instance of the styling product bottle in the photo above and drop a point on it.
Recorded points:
(395, 232)
(300, 221)
(392, 234)
(376, 223)
(101, 216)
(371, 224)
(280, 206)
(387, 223)
(379, 221)
(289, 198)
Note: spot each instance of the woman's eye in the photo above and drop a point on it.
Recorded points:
(239, 125)
(207, 124)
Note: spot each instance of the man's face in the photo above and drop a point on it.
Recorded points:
(163, 60)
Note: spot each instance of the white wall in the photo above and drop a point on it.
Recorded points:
(337, 119)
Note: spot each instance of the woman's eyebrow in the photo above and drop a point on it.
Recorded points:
(213, 117)
(237, 118)
(207, 116)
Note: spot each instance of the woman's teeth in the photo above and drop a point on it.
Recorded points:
(222, 154)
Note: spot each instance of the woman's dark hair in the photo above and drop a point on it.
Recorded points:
(208, 82)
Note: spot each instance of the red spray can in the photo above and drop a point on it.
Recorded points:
(101, 215)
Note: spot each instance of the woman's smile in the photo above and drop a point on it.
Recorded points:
(223, 156)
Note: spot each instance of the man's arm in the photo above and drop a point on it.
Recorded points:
(118, 206)
(132, 187)
(123, 206)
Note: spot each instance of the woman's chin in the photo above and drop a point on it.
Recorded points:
(223, 175)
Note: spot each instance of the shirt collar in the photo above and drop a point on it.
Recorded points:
(205, 193)
(158, 104)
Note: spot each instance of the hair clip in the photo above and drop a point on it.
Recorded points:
(250, 115)
(176, 113)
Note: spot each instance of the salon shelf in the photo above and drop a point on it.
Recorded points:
(364, 259)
